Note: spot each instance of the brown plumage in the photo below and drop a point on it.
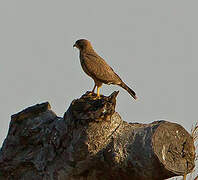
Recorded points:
(96, 67)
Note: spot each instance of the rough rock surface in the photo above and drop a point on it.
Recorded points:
(92, 142)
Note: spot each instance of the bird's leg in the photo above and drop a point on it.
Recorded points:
(98, 92)
(184, 177)
(92, 92)
(94, 88)
(98, 85)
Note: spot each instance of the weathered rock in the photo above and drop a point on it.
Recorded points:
(92, 142)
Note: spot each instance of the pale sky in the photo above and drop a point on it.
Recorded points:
(152, 45)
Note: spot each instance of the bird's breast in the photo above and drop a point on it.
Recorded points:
(83, 66)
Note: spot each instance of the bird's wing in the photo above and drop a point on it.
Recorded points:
(99, 69)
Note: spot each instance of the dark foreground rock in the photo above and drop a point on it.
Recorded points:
(92, 142)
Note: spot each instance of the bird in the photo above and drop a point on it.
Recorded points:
(97, 68)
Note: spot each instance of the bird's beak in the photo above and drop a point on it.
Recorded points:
(75, 45)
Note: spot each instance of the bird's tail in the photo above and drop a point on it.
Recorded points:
(129, 90)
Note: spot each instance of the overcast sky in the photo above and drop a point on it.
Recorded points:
(152, 45)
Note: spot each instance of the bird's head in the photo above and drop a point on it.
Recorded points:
(83, 45)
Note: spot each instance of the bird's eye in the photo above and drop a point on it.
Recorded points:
(80, 45)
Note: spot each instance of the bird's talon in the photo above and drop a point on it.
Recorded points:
(90, 93)
(96, 98)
